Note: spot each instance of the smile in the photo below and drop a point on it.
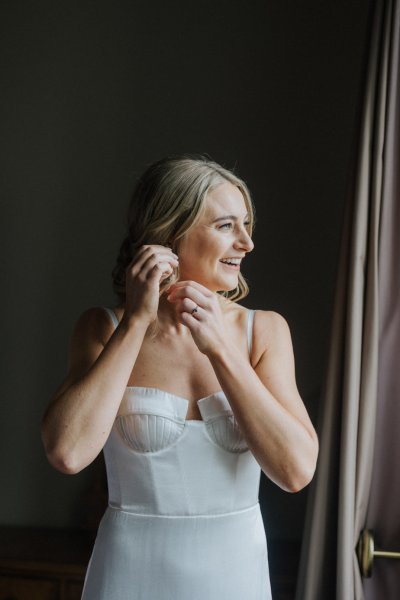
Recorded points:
(232, 266)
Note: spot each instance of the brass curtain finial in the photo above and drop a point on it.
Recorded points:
(366, 552)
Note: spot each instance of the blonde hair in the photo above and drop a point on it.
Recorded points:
(169, 199)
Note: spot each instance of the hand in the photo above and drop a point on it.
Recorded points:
(207, 324)
(150, 265)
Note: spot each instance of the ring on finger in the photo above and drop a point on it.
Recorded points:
(194, 310)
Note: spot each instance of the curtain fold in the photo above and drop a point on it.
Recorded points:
(383, 515)
(339, 494)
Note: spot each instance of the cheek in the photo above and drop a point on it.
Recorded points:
(212, 253)
(199, 247)
(201, 251)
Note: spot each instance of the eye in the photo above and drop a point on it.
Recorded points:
(230, 225)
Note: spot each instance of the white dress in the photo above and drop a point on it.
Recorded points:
(184, 520)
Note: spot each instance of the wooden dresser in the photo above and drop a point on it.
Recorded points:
(43, 564)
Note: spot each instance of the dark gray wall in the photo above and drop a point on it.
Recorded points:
(92, 92)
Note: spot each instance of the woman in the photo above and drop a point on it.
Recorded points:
(188, 393)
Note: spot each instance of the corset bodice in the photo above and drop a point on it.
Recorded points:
(160, 463)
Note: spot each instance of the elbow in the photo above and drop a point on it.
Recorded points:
(292, 480)
(296, 484)
(304, 473)
(62, 460)
(295, 470)
(63, 463)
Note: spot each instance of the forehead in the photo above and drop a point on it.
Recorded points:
(226, 198)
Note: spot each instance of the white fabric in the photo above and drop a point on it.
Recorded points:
(184, 521)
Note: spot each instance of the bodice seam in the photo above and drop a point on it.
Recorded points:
(193, 516)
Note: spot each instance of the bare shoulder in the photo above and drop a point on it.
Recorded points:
(87, 341)
(270, 322)
(93, 324)
(271, 331)
(91, 333)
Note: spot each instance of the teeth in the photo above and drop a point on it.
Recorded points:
(232, 261)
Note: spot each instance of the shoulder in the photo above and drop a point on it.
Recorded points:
(270, 331)
(270, 321)
(94, 323)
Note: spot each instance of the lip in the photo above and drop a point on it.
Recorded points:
(232, 267)
(230, 257)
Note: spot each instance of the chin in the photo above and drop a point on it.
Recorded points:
(225, 286)
(220, 284)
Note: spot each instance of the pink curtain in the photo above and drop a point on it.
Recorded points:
(357, 411)
(383, 515)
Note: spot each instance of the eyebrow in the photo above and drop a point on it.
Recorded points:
(232, 217)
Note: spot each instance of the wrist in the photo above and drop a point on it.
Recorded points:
(134, 322)
(218, 353)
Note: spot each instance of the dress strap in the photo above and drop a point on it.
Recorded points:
(112, 316)
(250, 326)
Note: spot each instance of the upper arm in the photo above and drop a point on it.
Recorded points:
(276, 365)
(89, 336)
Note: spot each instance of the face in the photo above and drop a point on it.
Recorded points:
(220, 235)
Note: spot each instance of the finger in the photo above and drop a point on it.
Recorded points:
(157, 258)
(189, 292)
(158, 272)
(140, 255)
(189, 320)
(156, 247)
(145, 252)
(192, 308)
(148, 263)
(196, 285)
(167, 272)
(162, 249)
(186, 320)
(165, 268)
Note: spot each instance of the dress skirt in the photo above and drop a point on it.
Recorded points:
(152, 557)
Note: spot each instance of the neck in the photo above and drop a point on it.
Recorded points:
(168, 323)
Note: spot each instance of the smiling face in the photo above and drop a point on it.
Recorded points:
(220, 235)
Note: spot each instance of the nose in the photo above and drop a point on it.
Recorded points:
(244, 241)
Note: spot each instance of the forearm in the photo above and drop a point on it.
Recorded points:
(79, 419)
(284, 448)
